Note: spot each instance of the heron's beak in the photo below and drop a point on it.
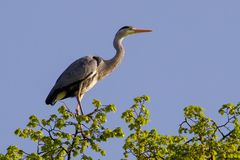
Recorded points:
(139, 30)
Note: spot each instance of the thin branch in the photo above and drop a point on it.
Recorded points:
(53, 139)
(73, 142)
(225, 136)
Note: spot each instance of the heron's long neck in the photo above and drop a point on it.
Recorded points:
(120, 52)
(111, 64)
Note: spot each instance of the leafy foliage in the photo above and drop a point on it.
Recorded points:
(199, 136)
(65, 135)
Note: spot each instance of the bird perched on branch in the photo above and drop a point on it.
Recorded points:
(85, 72)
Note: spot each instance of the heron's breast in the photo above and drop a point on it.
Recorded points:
(88, 83)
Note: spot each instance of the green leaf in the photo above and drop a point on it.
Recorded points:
(17, 131)
(119, 132)
(110, 108)
(60, 123)
(96, 103)
(62, 109)
(146, 98)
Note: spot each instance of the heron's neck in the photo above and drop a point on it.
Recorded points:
(111, 64)
(117, 43)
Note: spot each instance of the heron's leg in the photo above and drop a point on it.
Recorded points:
(79, 97)
(79, 107)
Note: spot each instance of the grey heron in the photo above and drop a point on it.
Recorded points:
(85, 72)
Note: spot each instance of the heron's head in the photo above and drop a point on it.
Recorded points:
(129, 30)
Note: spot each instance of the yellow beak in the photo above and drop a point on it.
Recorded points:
(139, 30)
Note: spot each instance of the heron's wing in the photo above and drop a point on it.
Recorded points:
(77, 71)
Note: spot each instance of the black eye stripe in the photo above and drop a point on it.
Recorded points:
(125, 27)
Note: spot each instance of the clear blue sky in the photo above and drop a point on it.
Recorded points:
(192, 57)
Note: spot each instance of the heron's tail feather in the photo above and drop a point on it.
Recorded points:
(50, 99)
(53, 97)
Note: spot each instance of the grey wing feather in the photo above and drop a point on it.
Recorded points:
(77, 71)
